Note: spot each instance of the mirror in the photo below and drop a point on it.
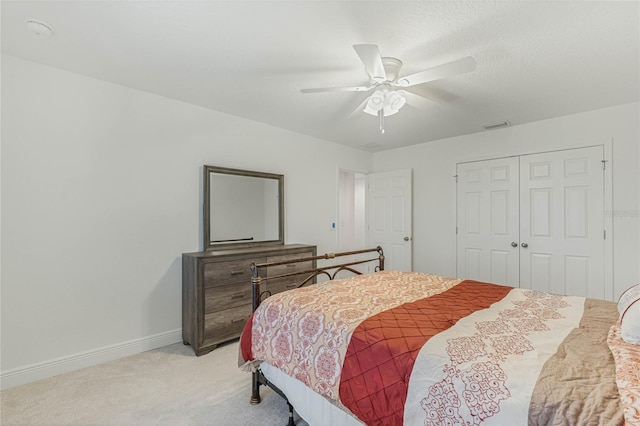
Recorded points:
(242, 208)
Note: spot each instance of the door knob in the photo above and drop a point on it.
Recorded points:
(524, 245)
(514, 244)
(406, 238)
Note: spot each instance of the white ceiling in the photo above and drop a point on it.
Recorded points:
(535, 59)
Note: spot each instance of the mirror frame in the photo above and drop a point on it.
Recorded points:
(208, 170)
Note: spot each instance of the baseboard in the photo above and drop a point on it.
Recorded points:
(43, 370)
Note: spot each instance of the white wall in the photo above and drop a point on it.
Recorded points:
(101, 193)
(433, 167)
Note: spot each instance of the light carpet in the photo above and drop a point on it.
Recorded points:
(165, 386)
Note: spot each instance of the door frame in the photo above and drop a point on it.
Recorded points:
(608, 204)
(337, 228)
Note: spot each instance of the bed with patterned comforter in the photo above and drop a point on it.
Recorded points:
(395, 348)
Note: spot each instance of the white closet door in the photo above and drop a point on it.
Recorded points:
(562, 222)
(487, 221)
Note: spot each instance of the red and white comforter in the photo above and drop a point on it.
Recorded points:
(416, 349)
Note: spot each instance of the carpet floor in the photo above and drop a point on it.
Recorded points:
(165, 386)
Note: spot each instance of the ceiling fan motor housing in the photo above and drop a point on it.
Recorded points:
(391, 68)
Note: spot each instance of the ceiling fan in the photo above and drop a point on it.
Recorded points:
(388, 88)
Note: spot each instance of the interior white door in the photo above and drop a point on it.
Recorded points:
(562, 222)
(389, 216)
(487, 225)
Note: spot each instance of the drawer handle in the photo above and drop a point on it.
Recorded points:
(235, 321)
(237, 296)
(290, 265)
(292, 285)
(237, 272)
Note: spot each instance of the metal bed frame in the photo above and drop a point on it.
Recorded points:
(330, 271)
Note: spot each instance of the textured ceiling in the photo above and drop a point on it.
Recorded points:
(535, 60)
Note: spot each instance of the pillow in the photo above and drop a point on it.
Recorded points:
(627, 364)
(629, 309)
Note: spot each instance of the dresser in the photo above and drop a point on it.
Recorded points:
(216, 289)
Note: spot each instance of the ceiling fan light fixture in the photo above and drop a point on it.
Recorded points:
(388, 111)
(388, 102)
(396, 101)
(375, 103)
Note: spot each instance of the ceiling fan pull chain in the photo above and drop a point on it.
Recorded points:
(381, 116)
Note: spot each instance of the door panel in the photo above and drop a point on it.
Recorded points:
(500, 265)
(389, 216)
(541, 206)
(577, 268)
(540, 268)
(562, 217)
(487, 221)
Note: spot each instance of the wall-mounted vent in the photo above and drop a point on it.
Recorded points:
(498, 125)
(372, 146)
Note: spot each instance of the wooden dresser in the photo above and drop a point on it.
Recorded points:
(216, 290)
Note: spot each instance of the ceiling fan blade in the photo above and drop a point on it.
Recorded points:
(337, 89)
(447, 70)
(359, 108)
(417, 101)
(370, 56)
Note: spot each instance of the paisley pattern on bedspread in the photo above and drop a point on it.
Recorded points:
(483, 370)
(305, 332)
(627, 361)
(417, 349)
(380, 357)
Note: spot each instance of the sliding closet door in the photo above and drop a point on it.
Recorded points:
(562, 222)
(487, 221)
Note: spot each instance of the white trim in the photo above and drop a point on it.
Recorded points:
(42, 370)
(608, 221)
(455, 177)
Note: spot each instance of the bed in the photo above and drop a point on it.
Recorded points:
(394, 348)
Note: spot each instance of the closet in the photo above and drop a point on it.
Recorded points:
(534, 221)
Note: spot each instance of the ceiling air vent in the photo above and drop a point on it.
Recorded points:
(498, 125)
(372, 146)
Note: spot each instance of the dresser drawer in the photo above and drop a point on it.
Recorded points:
(292, 267)
(229, 272)
(278, 285)
(283, 284)
(227, 296)
(217, 290)
(227, 324)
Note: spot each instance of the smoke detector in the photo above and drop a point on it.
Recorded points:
(39, 28)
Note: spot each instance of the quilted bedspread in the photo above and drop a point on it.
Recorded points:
(410, 348)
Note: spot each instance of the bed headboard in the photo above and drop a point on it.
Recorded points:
(260, 270)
